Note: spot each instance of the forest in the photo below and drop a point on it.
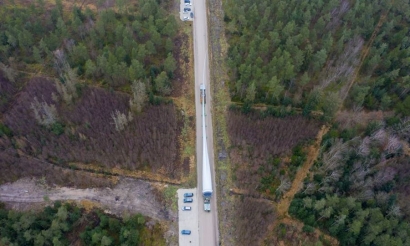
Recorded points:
(359, 190)
(305, 54)
(294, 66)
(67, 224)
(109, 47)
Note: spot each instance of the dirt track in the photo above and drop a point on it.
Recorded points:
(135, 196)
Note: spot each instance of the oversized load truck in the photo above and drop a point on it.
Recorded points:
(206, 169)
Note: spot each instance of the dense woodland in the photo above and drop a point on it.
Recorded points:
(112, 47)
(305, 53)
(66, 224)
(359, 191)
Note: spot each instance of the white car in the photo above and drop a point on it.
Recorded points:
(186, 208)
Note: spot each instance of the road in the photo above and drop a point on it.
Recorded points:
(208, 222)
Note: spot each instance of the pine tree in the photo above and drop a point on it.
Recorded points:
(250, 93)
(162, 84)
(170, 64)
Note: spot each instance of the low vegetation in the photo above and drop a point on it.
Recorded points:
(294, 234)
(254, 217)
(259, 145)
(87, 132)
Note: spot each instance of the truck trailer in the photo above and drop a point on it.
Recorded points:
(206, 169)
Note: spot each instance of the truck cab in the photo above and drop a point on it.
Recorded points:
(203, 94)
(207, 204)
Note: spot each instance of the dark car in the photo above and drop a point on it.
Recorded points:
(187, 9)
(192, 15)
(186, 232)
(186, 200)
(188, 194)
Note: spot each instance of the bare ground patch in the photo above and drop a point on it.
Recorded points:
(347, 119)
(128, 196)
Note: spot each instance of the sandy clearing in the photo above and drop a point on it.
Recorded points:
(134, 196)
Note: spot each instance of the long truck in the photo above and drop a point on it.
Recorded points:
(206, 169)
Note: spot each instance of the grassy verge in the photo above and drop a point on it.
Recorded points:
(218, 70)
(170, 195)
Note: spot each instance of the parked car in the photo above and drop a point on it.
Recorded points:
(192, 15)
(186, 208)
(186, 232)
(188, 194)
(188, 2)
(186, 200)
(187, 9)
(186, 18)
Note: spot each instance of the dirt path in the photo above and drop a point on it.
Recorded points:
(240, 192)
(283, 206)
(134, 196)
(364, 54)
(313, 152)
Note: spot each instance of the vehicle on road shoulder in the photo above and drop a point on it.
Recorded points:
(186, 208)
(186, 200)
(186, 232)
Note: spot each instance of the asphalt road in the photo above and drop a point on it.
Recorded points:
(208, 222)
